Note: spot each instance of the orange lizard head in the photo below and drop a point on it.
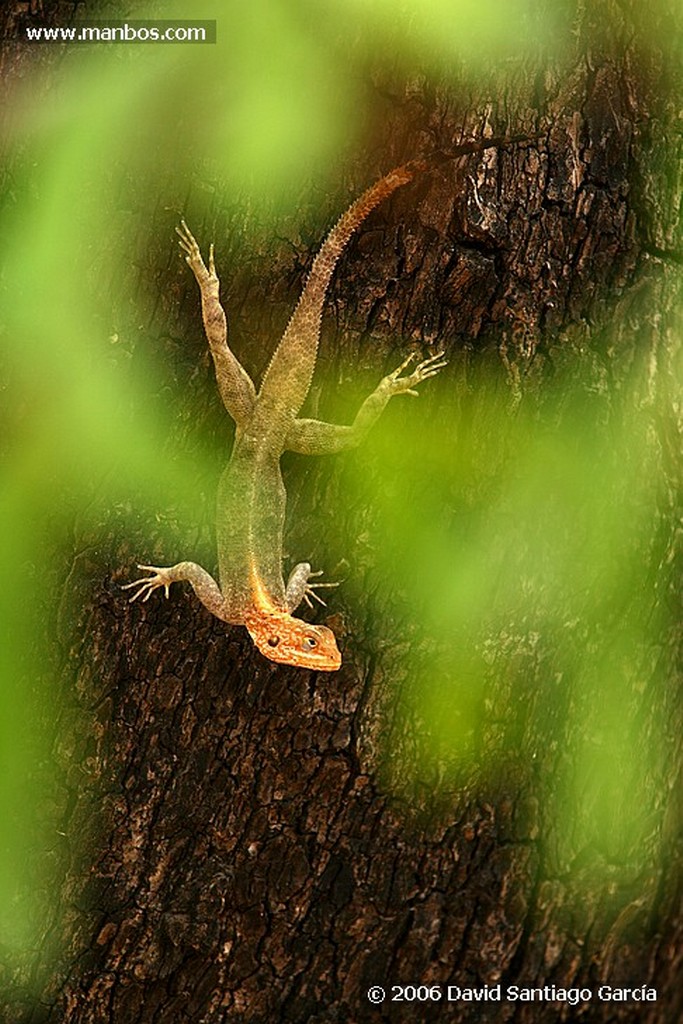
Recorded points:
(291, 641)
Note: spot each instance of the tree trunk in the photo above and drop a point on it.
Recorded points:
(263, 843)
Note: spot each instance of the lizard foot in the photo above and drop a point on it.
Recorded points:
(399, 385)
(299, 589)
(162, 578)
(310, 590)
(193, 256)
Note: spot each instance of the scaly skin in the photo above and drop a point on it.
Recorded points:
(251, 494)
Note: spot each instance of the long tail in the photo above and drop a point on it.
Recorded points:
(288, 377)
(290, 371)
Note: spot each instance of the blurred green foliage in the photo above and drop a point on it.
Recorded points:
(532, 554)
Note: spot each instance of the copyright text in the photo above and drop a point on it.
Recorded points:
(511, 994)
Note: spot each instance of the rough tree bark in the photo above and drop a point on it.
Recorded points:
(246, 860)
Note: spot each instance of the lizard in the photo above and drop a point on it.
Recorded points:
(251, 495)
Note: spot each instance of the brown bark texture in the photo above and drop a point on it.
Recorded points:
(239, 850)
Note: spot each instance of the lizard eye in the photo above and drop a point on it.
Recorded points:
(273, 641)
(310, 642)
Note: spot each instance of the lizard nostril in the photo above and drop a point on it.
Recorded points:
(273, 641)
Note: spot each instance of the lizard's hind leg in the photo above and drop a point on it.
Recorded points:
(234, 383)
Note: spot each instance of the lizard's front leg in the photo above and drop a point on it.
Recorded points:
(203, 584)
(299, 588)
